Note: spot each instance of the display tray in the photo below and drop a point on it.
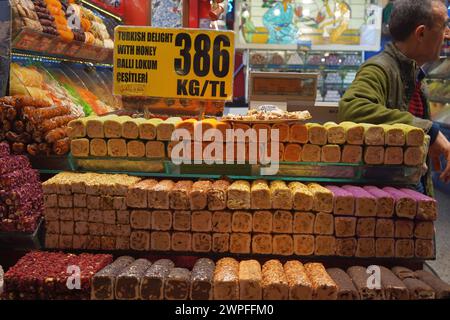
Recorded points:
(22, 241)
(29, 40)
(51, 164)
(290, 171)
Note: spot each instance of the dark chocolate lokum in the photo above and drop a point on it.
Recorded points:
(152, 284)
(128, 281)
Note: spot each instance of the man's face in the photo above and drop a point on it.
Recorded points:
(435, 35)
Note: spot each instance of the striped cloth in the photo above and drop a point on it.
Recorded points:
(416, 103)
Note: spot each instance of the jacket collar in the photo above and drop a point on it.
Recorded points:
(408, 67)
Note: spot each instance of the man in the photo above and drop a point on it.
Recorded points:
(387, 88)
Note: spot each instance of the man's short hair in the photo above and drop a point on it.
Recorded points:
(407, 15)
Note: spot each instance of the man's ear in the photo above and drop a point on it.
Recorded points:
(419, 33)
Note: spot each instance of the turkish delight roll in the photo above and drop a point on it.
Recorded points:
(346, 247)
(282, 222)
(385, 248)
(128, 281)
(113, 127)
(311, 153)
(165, 129)
(346, 288)
(426, 206)
(158, 196)
(240, 243)
(181, 220)
(217, 195)
(404, 248)
(304, 245)
(283, 131)
(365, 248)
(403, 273)
(147, 128)
(393, 287)
(325, 246)
(292, 152)
(394, 136)
(77, 128)
(324, 224)
(298, 133)
(155, 150)
(365, 203)
(385, 202)
(262, 244)
(317, 134)
(201, 242)
(226, 279)
(384, 228)
(179, 195)
(419, 290)
(405, 204)
(103, 282)
(373, 135)
(335, 133)
(300, 287)
(181, 241)
(161, 220)
(117, 148)
(393, 155)
(94, 126)
(331, 153)
(424, 230)
(140, 219)
(360, 278)
(324, 288)
(250, 278)
(414, 136)
(177, 284)
(241, 221)
(260, 195)
(283, 245)
(160, 241)
(221, 221)
(354, 132)
(414, 156)
(281, 195)
(152, 283)
(404, 228)
(140, 240)
(274, 282)
(135, 149)
(352, 154)
(198, 195)
(323, 198)
(441, 288)
(424, 248)
(221, 242)
(238, 195)
(79, 147)
(98, 148)
(201, 221)
(130, 129)
(202, 280)
(304, 222)
(345, 226)
(344, 202)
(302, 197)
(136, 196)
(374, 155)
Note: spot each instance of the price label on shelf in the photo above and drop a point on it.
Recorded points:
(173, 63)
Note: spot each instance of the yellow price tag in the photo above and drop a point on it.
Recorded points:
(173, 63)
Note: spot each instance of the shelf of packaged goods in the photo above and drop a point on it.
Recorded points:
(289, 171)
(304, 67)
(22, 241)
(31, 42)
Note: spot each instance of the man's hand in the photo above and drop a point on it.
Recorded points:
(441, 146)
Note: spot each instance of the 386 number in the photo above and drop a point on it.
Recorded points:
(201, 62)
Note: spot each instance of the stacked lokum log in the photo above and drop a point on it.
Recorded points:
(229, 279)
(34, 126)
(240, 217)
(129, 279)
(21, 199)
(53, 275)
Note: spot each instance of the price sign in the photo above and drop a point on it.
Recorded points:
(173, 63)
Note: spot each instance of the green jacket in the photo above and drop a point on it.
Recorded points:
(381, 91)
